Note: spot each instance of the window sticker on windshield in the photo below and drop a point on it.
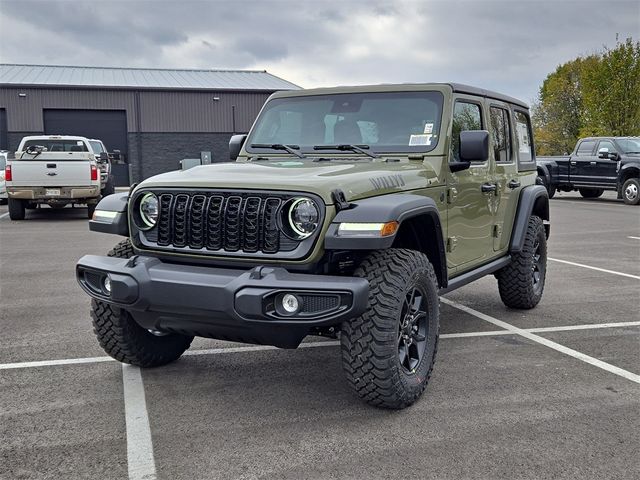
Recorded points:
(420, 139)
(79, 142)
(428, 128)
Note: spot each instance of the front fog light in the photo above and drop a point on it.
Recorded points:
(290, 303)
(106, 283)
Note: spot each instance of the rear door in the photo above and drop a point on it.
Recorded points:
(583, 164)
(606, 169)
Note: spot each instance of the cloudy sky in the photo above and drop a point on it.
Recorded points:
(506, 45)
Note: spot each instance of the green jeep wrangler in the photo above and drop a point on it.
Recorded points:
(347, 212)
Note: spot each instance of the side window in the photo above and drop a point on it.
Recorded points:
(523, 134)
(608, 144)
(586, 148)
(500, 134)
(466, 116)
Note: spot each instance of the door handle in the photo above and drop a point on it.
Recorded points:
(488, 187)
(513, 184)
(574, 163)
(51, 165)
(593, 163)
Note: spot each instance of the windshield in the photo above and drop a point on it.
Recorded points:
(96, 147)
(3, 161)
(628, 145)
(386, 122)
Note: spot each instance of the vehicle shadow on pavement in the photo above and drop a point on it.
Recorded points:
(67, 213)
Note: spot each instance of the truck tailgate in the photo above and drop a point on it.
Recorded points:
(54, 173)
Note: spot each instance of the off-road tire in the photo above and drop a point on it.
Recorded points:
(516, 283)
(628, 191)
(90, 209)
(591, 192)
(109, 189)
(16, 209)
(551, 190)
(126, 341)
(370, 343)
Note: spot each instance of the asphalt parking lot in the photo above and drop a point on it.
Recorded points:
(548, 393)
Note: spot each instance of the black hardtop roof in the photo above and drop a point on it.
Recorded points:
(468, 89)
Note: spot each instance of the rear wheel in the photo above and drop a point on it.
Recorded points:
(126, 341)
(90, 209)
(16, 209)
(631, 191)
(591, 192)
(109, 189)
(521, 283)
(388, 352)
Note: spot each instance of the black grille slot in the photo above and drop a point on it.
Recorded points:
(271, 235)
(221, 222)
(180, 220)
(164, 222)
(196, 221)
(214, 223)
(251, 240)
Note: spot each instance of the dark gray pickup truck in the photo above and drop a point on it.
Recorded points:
(596, 164)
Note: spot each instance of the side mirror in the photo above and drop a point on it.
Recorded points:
(235, 145)
(603, 153)
(474, 145)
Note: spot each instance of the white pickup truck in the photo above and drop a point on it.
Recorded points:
(54, 170)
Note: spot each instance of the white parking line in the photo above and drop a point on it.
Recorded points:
(634, 238)
(4, 215)
(260, 348)
(142, 465)
(547, 343)
(594, 268)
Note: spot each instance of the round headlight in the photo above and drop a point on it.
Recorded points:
(149, 209)
(303, 217)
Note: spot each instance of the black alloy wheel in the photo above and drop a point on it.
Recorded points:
(413, 330)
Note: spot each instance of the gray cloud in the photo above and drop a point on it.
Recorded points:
(503, 45)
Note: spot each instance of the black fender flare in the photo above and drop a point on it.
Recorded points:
(533, 199)
(544, 169)
(114, 220)
(382, 209)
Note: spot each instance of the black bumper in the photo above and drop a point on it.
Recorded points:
(222, 303)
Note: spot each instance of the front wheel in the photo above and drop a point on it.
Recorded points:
(388, 352)
(631, 191)
(551, 190)
(126, 341)
(521, 283)
(16, 209)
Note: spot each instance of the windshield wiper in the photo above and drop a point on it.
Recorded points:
(279, 146)
(348, 147)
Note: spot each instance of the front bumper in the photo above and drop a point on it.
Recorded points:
(228, 304)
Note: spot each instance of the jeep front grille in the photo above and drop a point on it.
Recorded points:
(243, 222)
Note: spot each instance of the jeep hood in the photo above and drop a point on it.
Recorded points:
(357, 179)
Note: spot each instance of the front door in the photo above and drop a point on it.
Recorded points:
(469, 240)
(606, 169)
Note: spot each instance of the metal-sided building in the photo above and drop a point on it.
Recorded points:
(155, 117)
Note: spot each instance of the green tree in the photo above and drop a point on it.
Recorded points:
(593, 95)
(611, 92)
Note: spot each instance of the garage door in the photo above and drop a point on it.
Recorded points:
(110, 126)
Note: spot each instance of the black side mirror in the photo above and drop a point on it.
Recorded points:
(235, 145)
(474, 146)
